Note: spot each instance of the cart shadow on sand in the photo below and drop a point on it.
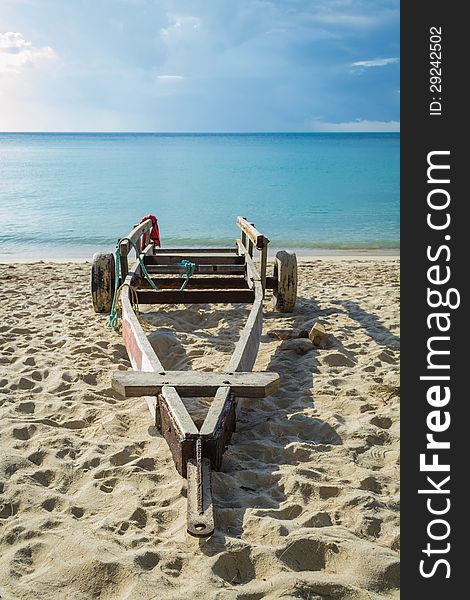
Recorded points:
(270, 432)
(371, 323)
(276, 431)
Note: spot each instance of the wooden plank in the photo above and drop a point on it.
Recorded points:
(199, 259)
(251, 270)
(253, 234)
(200, 269)
(214, 446)
(135, 235)
(143, 358)
(245, 353)
(197, 283)
(242, 359)
(231, 250)
(203, 282)
(124, 265)
(213, 423)
(181, 446)
(195, 296)
(138, 242)
(195, 383)
(263, 267)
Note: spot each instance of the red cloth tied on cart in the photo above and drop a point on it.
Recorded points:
(154, 232)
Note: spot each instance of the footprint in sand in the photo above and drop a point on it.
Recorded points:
(108, 486)
(37, 457)
(24, 433)
(147, 560)
(44, 478)
(50, 504)
(77, 512)
(124, 456)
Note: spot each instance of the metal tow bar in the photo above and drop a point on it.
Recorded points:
(200, 510)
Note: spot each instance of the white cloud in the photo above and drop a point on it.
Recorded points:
(170, 77)
(377, 62)
(16, 52)
(180, 25)
(357, 126)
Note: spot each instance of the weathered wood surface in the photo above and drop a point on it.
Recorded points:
(252, 273)
(135, 235)
(182, 445)
(263, 267)
(242, 359)
(200, 269)
(195, 296)
(143, 358)
(259, 240)
(246, 350)
(202, 282)
(199, 259)
(195, 383)
(215, 445)
(197, 283)
(230, 250)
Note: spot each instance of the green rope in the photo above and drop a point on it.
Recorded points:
(113, 319)
(189, 269)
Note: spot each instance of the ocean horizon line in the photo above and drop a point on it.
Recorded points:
(195, 133)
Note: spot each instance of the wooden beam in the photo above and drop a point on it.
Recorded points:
(246, 350)
(144, 358)
(204, 283)
(135, 236)
(259, 240)
(201, 269)
(195, 383)
(230, 250)
(197, 283)
(124, 267)
(252, 274)
(263, 266)
(199, 259)
(195, 296)
(243, 359)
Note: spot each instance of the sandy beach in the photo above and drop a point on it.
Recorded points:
(307, 502)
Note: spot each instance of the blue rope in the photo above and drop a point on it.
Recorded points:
(189, 270)
(112, 321)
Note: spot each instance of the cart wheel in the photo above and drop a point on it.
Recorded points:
(285, 271)
(102, 282)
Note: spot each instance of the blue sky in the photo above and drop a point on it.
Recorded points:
(199, 65)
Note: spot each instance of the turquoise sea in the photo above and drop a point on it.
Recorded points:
(69, 195)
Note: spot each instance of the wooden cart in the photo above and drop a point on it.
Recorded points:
(221, 275)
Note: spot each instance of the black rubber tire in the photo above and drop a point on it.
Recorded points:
(285, 271)
(102, 282)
